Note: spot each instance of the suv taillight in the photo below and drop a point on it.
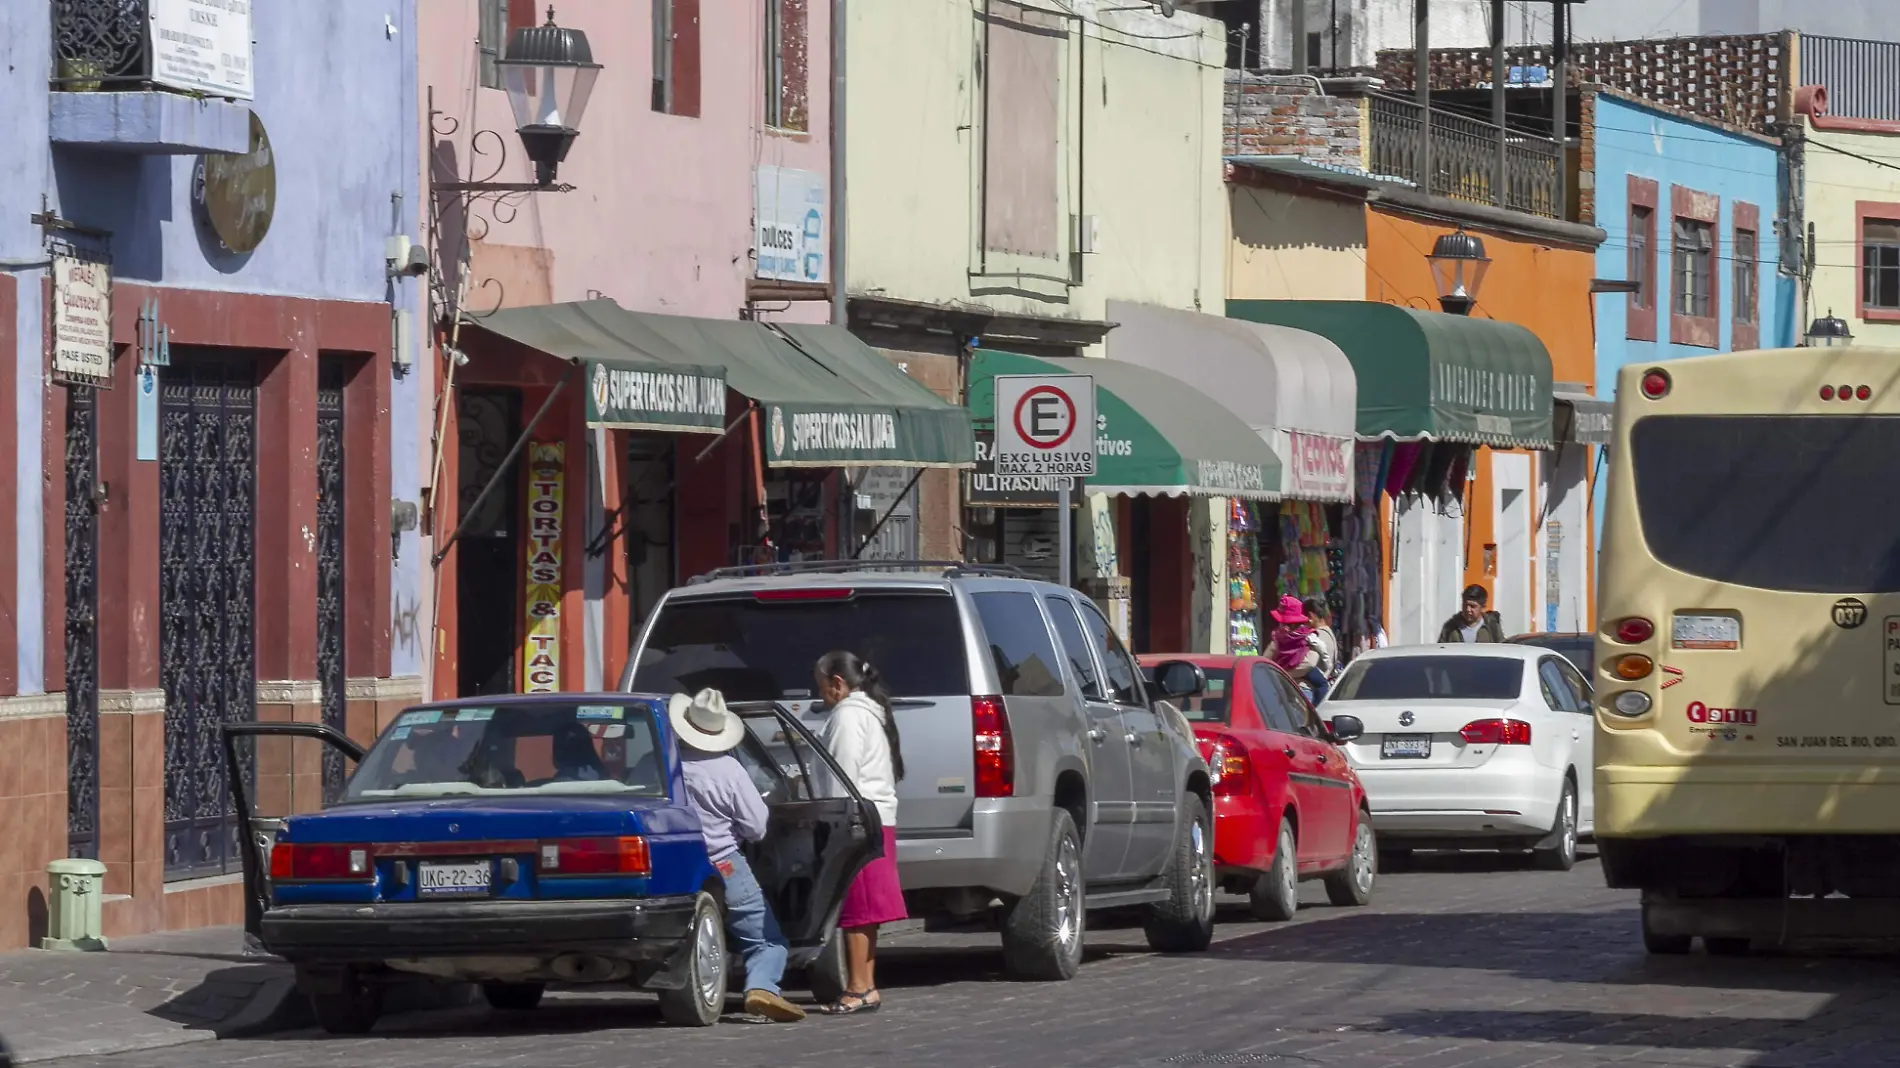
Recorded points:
(292, 862)
(1497, 732)
(995, 755)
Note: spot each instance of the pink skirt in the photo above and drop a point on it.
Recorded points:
(874, 897)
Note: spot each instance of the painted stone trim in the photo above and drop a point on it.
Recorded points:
(131, 702)
(33, 706)
(400, 688)
(290, 692)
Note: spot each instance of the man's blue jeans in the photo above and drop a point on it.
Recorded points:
(750, 922)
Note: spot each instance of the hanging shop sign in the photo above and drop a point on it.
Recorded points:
(1314, 467)
(82, 321)
(620, 397)
(816, 436)
(788, 209)
(541, 652)
(235, 194)
(202, 46)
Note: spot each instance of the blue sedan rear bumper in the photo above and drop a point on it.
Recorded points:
(642, 929)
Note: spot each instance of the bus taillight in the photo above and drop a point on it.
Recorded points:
(1635, 631)
(1633, 666)
(1827, 392)
(1863, 393)
(1655, 384)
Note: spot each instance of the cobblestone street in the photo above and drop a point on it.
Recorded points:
(1466, 961)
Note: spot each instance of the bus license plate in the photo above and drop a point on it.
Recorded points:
(1707, 632)
(460, 879)
(1406, 747)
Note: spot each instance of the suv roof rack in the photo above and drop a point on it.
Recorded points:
(950, 569)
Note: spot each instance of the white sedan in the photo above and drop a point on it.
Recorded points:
(1472, 747)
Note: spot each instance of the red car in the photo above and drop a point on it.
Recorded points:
(1286, 805)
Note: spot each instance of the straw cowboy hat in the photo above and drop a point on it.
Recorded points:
(703, 722)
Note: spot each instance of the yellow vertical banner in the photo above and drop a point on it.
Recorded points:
(541, 654)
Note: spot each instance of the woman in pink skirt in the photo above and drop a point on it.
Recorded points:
(862, 736)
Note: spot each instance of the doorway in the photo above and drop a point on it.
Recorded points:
(207, 514)
(1511, 488)
(488, 557)
(651, 523)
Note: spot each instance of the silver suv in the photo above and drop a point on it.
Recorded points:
(1044, 778)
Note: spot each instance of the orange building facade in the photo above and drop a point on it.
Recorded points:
(1525, 533)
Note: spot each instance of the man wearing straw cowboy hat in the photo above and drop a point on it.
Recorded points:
(731, 811)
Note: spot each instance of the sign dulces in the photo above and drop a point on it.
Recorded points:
(82, 321)
(203, 46)
(1045, 425)
(789, 208)
(541, 651)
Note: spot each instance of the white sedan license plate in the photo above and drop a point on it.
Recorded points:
(1406, 746)
(459, 879)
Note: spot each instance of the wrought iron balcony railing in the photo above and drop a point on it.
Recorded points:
(1462, 160)
(101, 44)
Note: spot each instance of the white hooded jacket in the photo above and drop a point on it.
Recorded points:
(854, 732)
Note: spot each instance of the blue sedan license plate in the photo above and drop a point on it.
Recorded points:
(456, 879)
(1406, 746)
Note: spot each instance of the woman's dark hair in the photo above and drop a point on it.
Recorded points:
(1316, 612)
(860, 675)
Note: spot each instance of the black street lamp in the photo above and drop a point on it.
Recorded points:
(1458, 266)
(1829, 332)
(549, 72)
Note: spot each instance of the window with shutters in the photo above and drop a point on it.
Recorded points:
(498, 20)
(1644, 194)
(676, 57)
(1022, 51)
(787, 59)
(1694, 283)
(1745, 286)
(1880, 263)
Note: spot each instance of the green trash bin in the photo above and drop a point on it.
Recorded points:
(73, 919)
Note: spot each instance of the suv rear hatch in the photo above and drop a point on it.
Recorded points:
(760, 644)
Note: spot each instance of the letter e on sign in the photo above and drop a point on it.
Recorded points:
(1045, 425)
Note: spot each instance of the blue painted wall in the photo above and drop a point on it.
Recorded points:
(1632, 139)
(336, 90)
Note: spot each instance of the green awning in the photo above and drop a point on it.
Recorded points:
(1155, 435)
(636, 377)
(1427, 375)
(829, 399)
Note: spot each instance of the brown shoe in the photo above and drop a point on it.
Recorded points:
(772, 1007)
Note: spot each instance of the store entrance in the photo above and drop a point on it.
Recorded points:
(652, 558)
(488, 556)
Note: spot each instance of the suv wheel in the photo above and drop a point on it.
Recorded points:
(1185, 922)
(1042, 931)
(1352, 884)
(1276, 896)
(699, 1000)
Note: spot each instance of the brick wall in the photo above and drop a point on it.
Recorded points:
(1745, 80)
(1278, 115)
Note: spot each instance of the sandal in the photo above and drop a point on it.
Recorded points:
(863, 999)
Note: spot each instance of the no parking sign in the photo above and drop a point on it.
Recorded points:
(1045, 425)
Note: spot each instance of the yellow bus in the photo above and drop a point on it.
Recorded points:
(1748, 648)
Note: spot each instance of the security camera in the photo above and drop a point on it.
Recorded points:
(417, 264)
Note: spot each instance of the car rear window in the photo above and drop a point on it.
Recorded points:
(764, 650)
(551, 747)
(1428, 678)
(1777, 502)
(1211, 705)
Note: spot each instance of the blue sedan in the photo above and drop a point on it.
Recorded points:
(520, 841)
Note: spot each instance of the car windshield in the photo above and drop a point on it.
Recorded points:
(1428, 678)
(764, 650)
(552, 747)
(1211, 704)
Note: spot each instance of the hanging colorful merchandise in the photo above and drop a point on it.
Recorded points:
(1304, 539)
(1243, 560)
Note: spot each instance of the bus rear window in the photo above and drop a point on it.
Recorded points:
(1778, 502)
(765, 650)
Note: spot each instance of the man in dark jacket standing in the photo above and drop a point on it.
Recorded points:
(1472, 623)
